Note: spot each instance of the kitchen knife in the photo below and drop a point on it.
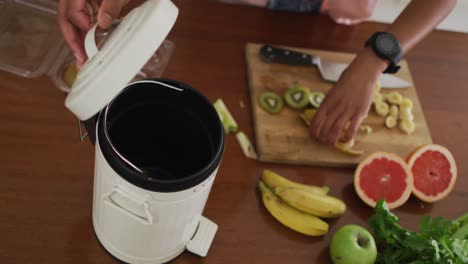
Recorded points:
(329, 70)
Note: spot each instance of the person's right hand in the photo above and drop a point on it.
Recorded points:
(76, 17)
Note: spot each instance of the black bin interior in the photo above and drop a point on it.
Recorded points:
(175, 137)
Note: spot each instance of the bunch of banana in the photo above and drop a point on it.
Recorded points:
(299, 206)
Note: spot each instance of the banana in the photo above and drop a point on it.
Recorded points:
(390, 121)
(319, 205)
(394, 97)
(296, 220)
(273, 180)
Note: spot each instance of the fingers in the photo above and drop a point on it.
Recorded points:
(329, 123)
(73, 41)
(326, 132)
(73, 21)
(338, 127)
(109, 10)
(80, 20)
(354, 124)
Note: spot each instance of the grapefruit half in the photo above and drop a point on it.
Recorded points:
(383, 175)
(434, 171)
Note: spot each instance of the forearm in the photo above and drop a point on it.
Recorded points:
(418, 19)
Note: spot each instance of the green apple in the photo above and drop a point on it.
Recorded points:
(353, 244)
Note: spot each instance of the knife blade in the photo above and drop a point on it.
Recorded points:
(330, 70)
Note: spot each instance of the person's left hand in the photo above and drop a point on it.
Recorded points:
(349, 101)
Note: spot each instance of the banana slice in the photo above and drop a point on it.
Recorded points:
(407, 126)
(390, 121)
(394, 98)
(377, 87)
(406, 114)
(366, 129)
(382, 109)
(377, 98)
(406, 103)
(394, 111)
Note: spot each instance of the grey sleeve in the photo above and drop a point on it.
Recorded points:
(295, 5)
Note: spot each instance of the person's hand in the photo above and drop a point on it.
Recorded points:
(76, 17)
(348, 102)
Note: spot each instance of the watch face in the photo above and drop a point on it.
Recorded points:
(386, 44)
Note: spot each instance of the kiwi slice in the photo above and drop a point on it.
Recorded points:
(297, 97)
(271, 102)
(316, 98)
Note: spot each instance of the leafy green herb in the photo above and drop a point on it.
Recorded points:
(434, 244)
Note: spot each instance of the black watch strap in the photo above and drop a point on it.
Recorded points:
(392, 55)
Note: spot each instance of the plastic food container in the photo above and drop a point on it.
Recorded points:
(31, 44)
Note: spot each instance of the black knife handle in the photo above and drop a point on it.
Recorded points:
(274, 54)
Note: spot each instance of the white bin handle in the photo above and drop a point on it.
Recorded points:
(90, 43)
(130, 205)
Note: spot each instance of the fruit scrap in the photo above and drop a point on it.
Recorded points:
(69, 75)
(291, 217)
(246, 145)
(347, 148)
(297, 97)
(316, 99)
(308, 115)
(273, 180)
(229, 124)
(271, 102)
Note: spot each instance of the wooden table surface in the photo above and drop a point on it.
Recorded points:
(46, 178)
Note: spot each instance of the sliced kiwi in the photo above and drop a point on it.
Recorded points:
(297, 97)
(316, 98)
(271, 102)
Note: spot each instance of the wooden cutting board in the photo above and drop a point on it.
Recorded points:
(284, 138)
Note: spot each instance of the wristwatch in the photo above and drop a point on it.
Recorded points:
(387, 47)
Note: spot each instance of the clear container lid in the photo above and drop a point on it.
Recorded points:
(30, 39)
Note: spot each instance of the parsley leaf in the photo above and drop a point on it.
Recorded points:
(435, 243)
